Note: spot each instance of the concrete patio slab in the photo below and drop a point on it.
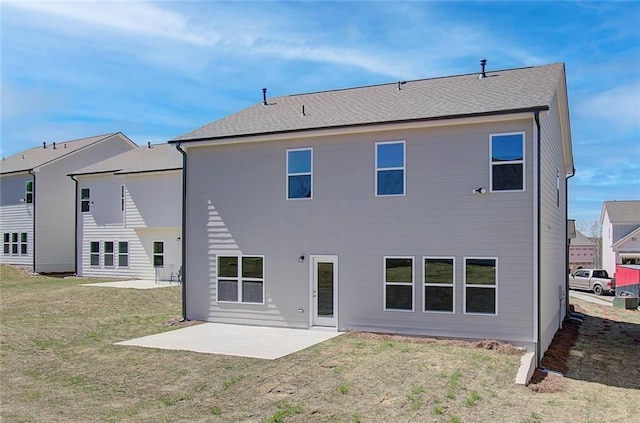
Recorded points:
(237, 340)
(134, 284)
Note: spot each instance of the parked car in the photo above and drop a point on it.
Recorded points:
(596, 280)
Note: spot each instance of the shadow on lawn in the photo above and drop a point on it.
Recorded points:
(607, 348)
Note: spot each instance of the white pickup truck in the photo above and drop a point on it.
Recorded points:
(596, 280)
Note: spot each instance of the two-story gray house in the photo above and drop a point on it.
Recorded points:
(432, 207)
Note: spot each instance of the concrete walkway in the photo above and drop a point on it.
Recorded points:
(238, 340)
(134, 284)
(585, 296)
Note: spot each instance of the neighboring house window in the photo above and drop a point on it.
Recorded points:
(241, 279)
(14, 243)
(23, 243)
(6, 247)
(398, 283)
(557, 188)
(480, 285)
(390, 168)
(439, 277)
(108, 254)
(94, 253)
(158, 253)
(28, 191)
(85, 200)
(123, 254)
(300, 173)
(507, 162)
(121, 197)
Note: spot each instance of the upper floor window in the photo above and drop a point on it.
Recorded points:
(28, 192)
(507, 162)
(85, 200)
(300, 173)
(390, 168)
(480, 285)
(398, 283)
(241, 279)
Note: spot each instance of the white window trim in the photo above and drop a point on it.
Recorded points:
(27, 192)
(385, 283)
(240, 279)
(123, 254)
(523, 162)
(99, 253)
(112, 254)
(465, 286)
(83, 200)
(298, 173)
(154, 254)
(452, 285)
(403, 168)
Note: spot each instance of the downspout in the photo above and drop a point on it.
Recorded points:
(75, 229)
(536, 117)
(566, 210)
(32, 173)
(184, 232)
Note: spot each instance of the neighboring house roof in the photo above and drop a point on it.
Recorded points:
(40, 156)
(506, 91)
(621, 211)
(152, 158)
(635, 233)
(582, 240)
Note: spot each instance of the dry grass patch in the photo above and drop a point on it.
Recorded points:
(58, 364)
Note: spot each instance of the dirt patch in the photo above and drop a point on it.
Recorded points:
(486, 344)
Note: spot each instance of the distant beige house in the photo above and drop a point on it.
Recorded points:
(129, 215)
(582, 252)
(620, 234)
(37, 216)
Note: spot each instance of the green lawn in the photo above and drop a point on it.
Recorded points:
(58, 364)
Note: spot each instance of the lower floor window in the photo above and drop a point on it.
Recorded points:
(23, 244)
(6, 245)
(94, 253)
(398, 283)
(438, 284)
(158, 253)
(241, 279)
(480, 285)
(123, 254)
(14, 243)
(108, 254)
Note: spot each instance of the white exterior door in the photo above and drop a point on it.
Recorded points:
(324, 290)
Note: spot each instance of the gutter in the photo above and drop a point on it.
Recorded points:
(35, 194)
(566, 209)
(75, 229)
(184, 232)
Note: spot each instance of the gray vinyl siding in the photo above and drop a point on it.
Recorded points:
(16, 216)
(152, 213)
(236, 205)
(553, 264)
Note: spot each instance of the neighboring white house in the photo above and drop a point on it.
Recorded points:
(37, 200)
(432, 207)
(129, 215)
(620, 233)
(582, 252)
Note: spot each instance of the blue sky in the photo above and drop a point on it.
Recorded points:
(155, 70)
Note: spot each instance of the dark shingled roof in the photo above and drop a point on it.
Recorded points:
(39, 156)
(158, 157)
(504, 91)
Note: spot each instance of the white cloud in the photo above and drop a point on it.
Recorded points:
(619, 106)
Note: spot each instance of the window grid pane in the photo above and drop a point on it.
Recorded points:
(244, 275)
(390, 168)
(480, 285)
(299, 173)
(398, 281)
(438, 284)
(507, 162)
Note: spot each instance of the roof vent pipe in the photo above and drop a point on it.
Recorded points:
(54, 145)
(264, 96)
(44, 144)
(148, 144)
(401, 83)
(483, 63)
(303, 113)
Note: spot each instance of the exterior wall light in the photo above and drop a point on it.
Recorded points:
(301, 259)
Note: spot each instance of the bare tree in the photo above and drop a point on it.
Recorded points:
(593, 231)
